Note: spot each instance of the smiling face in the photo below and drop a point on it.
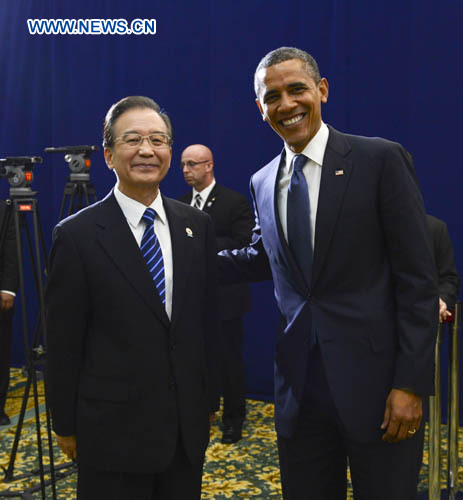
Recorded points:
(139, 169)
(290, 102)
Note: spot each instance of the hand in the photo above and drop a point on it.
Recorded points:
(67, 445)
(6, 301)
(444, 313)
(402, 417)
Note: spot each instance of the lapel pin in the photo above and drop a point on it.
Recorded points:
(339, 172)
(189, 232)
(210, 203)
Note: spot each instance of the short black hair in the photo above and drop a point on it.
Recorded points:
(120, 107)
(285, 54)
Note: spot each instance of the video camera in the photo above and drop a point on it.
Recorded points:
(19, 170)
(78, 158)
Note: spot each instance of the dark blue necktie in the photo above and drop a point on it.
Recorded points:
(152, 253)
(298, 219)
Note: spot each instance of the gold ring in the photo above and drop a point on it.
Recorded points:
(411, 431)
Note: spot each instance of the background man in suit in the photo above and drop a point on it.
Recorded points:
(233, 222)
(447, 274)
(341, 229)
(8, 286)
(131, 324)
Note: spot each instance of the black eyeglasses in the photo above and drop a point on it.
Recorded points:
(191, 163)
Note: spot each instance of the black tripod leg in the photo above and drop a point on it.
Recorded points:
(84, 188)
(39, 434)
(39, 243)
(71, 209)
(9, 473)
(63, 203)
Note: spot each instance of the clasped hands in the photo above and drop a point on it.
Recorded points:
(402, 416)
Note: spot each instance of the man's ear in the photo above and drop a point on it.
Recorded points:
(108, 156)
(261, 109)
(323, 88)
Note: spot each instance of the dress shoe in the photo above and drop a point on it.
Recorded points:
(231, 434)
(4, 419)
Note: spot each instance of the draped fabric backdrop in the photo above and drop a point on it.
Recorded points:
(394, 70)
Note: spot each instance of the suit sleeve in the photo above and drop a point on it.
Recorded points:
(449, 281)
(9, 272)
(415, 291)
(67, 309)
(211, 319)
(249, 263)
(241, 226)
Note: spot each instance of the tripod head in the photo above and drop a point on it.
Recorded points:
(78, 158)
(19, 171)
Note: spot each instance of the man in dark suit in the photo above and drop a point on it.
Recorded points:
(233, 222)
(130, 301)
(341, 229)
(8, 285)
(449, 281)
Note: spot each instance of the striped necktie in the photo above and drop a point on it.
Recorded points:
(198, 200)
(152, 253)
(298, 219)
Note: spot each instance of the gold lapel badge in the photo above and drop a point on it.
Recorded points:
(189, 232)
(210, 203)
(339, 172)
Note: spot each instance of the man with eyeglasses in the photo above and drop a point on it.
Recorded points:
(233, 222)
(132, 328)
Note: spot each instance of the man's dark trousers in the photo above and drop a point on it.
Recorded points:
(313, 461)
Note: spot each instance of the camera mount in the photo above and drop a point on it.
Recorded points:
(78, 186)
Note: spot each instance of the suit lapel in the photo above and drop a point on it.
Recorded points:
(336, 173)
(181, 257)
(270, 219)
(117, 240)
(211, 198)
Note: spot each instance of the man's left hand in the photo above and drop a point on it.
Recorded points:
(444, 313)
(402, 417)
(6, 301)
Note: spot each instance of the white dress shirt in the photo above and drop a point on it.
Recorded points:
(133, 211)
(204, 194)
(315, 151)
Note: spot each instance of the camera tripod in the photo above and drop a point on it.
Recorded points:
(77, 193)
(78, 189)
(21, 205)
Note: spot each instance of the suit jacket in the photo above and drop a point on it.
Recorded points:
(372, 302)
(121, 376)
(9, 274)
(233, 222)
(449, 281)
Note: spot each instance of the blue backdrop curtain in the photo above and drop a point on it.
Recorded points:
(394, 70)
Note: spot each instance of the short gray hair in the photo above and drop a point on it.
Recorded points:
(120, 107)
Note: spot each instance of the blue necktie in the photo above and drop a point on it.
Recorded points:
(152, 253)
(298, 219)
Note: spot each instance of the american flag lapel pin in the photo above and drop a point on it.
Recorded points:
(339, 172)
(189, 232)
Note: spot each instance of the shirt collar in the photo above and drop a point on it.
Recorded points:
(205, 192)
(315, 149)
(134, 210)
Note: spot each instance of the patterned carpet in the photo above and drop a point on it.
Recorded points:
(246, 470)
